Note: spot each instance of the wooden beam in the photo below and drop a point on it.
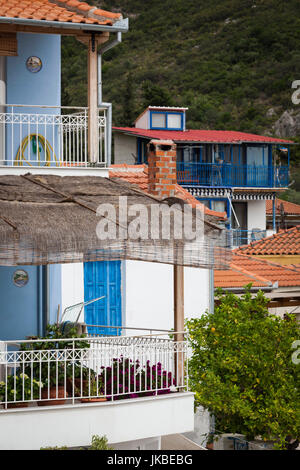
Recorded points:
(179, 321)
(17, 28)
(85, 39)
(93, 130)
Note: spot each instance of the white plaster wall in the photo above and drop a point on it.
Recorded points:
(149, 294)
(143, 121)
(73, 426)
(72, 284)
(202, 427)
(257, 215)
(125, 148)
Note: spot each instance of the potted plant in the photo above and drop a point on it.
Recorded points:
(54, 372)
(54, 377)
(19, 390)
(91, 388)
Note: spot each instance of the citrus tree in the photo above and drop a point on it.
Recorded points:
(241, 368)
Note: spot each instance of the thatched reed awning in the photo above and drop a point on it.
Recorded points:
(53, 219)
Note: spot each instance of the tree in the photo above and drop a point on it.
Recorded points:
(129, 113)
(241, 368)
(156, 95)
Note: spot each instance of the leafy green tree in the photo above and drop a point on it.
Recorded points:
(155, 95)
(242, 371)
(129, 112)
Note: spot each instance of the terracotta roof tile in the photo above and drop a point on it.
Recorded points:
(261, 273)
(138, 174)
(289, 207)
(55, 10)
(285, 242)
(202, 135)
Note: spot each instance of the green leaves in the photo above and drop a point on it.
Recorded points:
(241, 367)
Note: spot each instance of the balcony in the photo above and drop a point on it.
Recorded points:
(60, 392)
(56, 137)
(238, 237)
(231, 175)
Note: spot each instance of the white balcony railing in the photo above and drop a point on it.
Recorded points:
(37, 136)
(69, 371)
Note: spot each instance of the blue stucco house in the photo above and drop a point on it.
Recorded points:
(62, 392)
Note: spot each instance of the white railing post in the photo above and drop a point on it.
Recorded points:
(2, 360)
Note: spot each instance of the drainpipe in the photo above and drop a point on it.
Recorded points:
(101, 104)
(274, 212)
(2, 101)
(211, 291)
(46, 317)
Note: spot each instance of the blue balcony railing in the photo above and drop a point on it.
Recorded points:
(238, 237)
(227, 175)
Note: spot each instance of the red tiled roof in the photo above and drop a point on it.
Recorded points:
(261, 273)
(138, 174)
(285, 242)
(72, 11)
(289, 207)
(232, 137)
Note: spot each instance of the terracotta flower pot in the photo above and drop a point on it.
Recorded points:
(61, 393)
(17, 405)
(92, 400)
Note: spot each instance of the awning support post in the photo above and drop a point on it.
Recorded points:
(179, 323)
(93, 129)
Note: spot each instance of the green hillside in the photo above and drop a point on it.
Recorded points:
(229, 61)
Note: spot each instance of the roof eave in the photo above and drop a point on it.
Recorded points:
(118, 26)
(233, 142)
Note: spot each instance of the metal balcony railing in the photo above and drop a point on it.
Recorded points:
(51, 136)
(97, 368)
(238, 237)
(228, 175)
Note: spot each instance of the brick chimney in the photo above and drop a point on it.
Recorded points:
(162, 168)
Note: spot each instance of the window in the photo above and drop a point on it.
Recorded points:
(219, 206)
(158, 120)
(166, 120)
(174, 121)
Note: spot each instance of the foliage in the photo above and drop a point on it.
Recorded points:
(54, 332)
(130, 380)
(241, 368)
(20, 388)
(54, 372)
(100, 443)
(229, 62)
(87, 383)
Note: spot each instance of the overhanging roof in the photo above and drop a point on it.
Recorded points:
(202, 136)
(60, 14)
(53, 219)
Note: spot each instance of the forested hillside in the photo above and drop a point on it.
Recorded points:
(232, 62)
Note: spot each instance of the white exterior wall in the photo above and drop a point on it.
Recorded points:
(257, 215)
(143, 121)
(72, 281)
(149, 294)
(74, 426)
(125, 149)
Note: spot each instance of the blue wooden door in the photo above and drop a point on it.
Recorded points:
(103, 278)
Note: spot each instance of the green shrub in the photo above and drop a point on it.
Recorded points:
(241, 369)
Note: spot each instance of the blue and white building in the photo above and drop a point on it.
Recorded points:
(229, 171)
(40, 136)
